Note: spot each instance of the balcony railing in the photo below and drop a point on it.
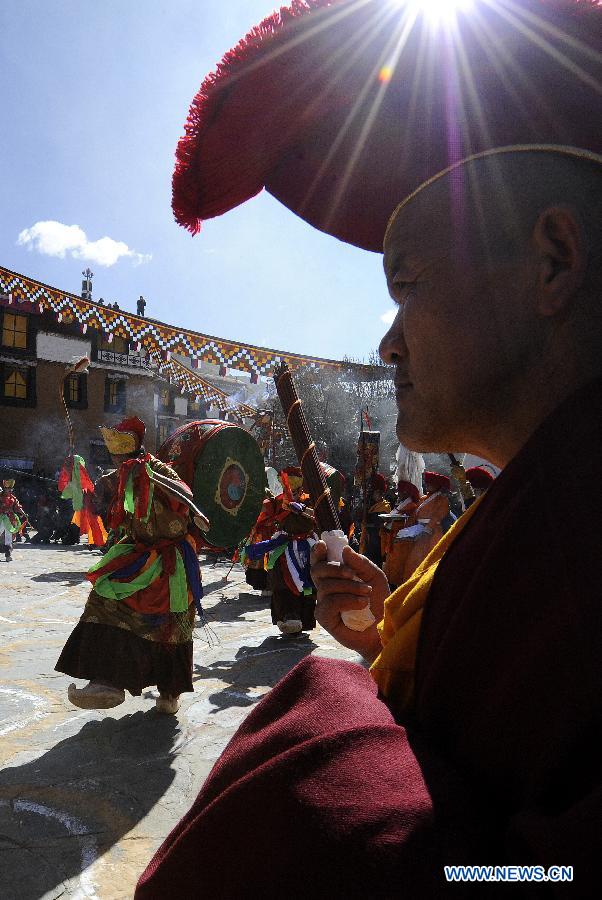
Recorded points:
(121, 359)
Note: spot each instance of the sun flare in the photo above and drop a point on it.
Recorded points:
(436, 11)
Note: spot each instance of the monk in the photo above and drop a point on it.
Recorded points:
(500, 684)
(475, 737)
(396, 550)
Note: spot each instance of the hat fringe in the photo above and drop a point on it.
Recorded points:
(187, 187)
(185, 184)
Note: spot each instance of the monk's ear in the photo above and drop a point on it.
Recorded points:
(562, 251)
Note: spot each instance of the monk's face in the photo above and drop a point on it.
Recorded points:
(461, 335)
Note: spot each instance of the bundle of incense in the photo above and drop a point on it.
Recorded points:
(314, 482)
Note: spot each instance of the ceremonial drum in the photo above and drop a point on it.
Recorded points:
(224, 467)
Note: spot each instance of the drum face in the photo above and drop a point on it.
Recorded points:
(229, 482)
(224, 466)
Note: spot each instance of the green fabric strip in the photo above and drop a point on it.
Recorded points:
(178, 587)
(151, 492)
(6, 524)
(73, 489)
(118, 590)
(128, 497)
(275, 556)
(115, 551)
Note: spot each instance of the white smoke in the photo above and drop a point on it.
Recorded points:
(410, 466)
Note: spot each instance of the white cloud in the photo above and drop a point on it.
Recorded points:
(55, 239)
(389, 316)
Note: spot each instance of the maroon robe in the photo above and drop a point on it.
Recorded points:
(323, 793)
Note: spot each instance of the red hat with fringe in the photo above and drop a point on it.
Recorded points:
(479, 477)
(435, 481)
(409, 489)
(342, 108)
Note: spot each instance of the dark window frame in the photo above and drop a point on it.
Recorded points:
(30, 349)
(121, 395)
(30, 400)
(166, 409)
(82, 381)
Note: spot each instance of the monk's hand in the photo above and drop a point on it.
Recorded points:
(353, 584)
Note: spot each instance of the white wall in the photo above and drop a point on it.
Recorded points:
(180, 406)
(58, 348)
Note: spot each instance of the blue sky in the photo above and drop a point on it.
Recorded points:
(95, 96)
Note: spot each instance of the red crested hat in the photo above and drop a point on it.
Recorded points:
(479, 477)
(378, 482)
(343, 108)
(407, 487)
(435, 481)
(133, 425)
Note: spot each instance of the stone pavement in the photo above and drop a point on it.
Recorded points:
(87, 796)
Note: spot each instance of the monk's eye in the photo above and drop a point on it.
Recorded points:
(401, 290)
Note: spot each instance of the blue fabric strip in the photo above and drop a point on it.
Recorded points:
(299, 557)
(193, 574)
(258, 551)
(132, 569)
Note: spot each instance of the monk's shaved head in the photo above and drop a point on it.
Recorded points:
(494, 201)
(496, 269)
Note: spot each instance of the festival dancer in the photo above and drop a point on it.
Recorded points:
(136, 628)
(287, 552)
(255, 572)
(13, 517)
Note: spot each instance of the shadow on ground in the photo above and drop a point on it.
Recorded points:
(254, 667)
(60, 577)
(64, 809)
(234, 609)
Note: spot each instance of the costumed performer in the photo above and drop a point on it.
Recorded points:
(293, 595)
(136, 628)
(13, 517)
(476, 737)
(255, 571)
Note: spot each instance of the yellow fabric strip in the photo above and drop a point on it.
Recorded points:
(393, 669)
